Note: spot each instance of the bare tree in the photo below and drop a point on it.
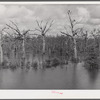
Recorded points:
(74, 32)
(19, 35)
(43, 28)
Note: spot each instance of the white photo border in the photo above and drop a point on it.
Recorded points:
(50, 94)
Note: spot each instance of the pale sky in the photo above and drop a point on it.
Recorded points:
(25, 15)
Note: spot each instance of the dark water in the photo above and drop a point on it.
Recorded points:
(65, 77)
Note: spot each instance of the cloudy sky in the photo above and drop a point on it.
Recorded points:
(25, 15)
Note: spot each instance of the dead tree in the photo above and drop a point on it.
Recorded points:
(43, 28)
(1, 44)
(18, 35)
(74, 32)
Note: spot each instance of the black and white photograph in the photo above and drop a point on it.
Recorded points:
(50, 46)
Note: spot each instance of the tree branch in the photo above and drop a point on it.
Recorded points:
(69, 12)
(15, 26)
(26, 32)
(39, 25)
(45, 26)
(13, 29)
(50, 25)
(66, 34)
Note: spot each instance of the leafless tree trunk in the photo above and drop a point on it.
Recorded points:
(1, 50)
(75, 49)
(1, 44)
(23, 49)
(43, 28)
(73, 33)
(43, 39)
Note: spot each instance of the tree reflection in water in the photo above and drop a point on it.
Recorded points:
(93, 74)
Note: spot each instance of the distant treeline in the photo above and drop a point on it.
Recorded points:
(59, 46)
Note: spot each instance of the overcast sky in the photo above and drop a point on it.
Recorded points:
(25, 15)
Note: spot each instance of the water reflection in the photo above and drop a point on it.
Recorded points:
(93, 75)
(74, 77)
(69, 76)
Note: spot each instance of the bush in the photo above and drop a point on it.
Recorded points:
(28, 65)
(4, 65)
(55, 62)
(34, 65)
(13, 67)
(47, 63)
(74, 60)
